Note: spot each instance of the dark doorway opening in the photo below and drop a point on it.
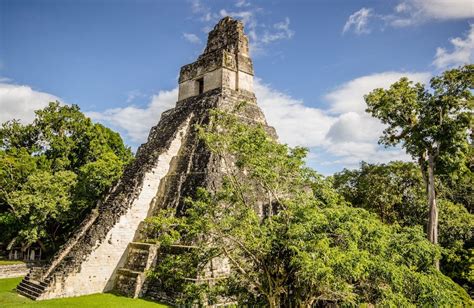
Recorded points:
(200, 83)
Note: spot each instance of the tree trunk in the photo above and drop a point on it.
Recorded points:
(432, 229)
(422, 163)
(272, 301)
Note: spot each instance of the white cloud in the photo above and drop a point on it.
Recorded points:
(282, 31)
(192, 38)
(295, 123)
(349, 154)
(20, 101)
(411, 12)
(354, 127)
(134, 94)
(343, 132)
(242, 3)
(197, 6)
(462, 51)
(443, 9)
(358, 21)
(136, 121)
(350, 96)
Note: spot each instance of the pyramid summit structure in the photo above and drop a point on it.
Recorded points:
(107, 252)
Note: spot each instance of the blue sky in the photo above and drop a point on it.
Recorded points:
(314, 60)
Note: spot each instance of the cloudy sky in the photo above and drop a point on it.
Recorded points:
(314, 60)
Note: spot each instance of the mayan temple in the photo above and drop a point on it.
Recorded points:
(107, 252)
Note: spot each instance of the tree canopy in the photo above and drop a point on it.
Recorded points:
(396, 193)
(432, 124)
(302, 245)
(53, 171)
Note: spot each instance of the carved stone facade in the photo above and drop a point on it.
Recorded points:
(106, 251)
(225, 62)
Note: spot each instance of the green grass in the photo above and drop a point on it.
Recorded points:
(10, 262)
(9, 298)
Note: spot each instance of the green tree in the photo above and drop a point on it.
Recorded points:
(43, 204)
(53, 171)
(431, 124)
(289, 238)
(395, 192)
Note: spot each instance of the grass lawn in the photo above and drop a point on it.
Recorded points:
(9, 298)
(10, 262)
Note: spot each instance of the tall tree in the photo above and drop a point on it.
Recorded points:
(53, 171)
(432, 124)
(395, 192)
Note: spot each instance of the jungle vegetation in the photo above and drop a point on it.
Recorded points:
(53, 171)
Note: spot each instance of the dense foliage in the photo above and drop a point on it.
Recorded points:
(289, 238)
(53, 171)
(432, 124)
(396, 193)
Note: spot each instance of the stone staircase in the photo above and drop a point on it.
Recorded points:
(30, 286)
(130, 278)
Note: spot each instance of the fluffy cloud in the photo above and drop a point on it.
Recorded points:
(353, 135)
(192, 38)
(440, 9)
(462, 51)
(411, 12)
(296, 124)
(354, 127)
(350, 154)
(282, 31)
(358, 21)
(135, 122)
(342, 134)
(20, 101)
(350, 96)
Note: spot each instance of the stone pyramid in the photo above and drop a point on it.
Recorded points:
(106, 253)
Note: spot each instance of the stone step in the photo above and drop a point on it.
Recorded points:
(128, 282)
(42, 283)
(30, 285)
(27, 292)
(138, 256)
(130, 278)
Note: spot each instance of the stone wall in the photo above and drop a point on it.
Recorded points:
(13, 270)
(245, 82)
(99, 266)
(224, 64)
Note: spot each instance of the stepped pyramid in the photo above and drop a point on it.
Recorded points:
(107, 251)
